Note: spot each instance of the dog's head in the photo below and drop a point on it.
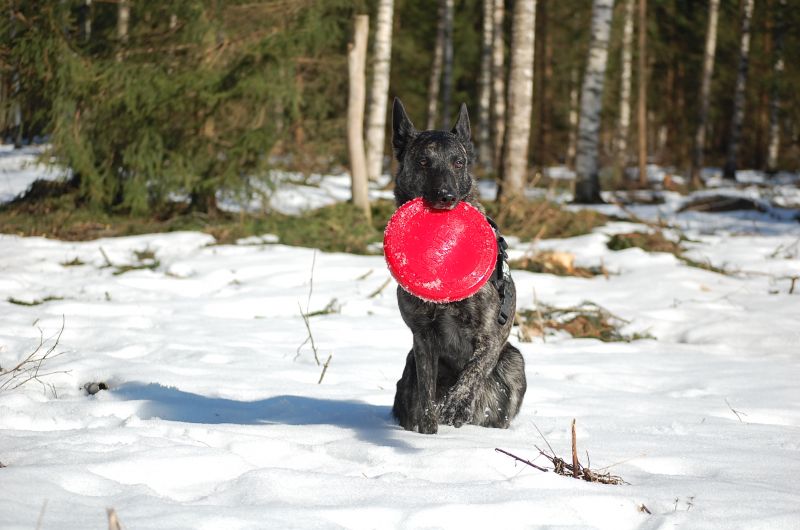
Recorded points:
(433, 165)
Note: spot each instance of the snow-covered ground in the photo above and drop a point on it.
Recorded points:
(215, 419)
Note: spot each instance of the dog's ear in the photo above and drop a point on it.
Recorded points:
(403, 130)
(461, 128)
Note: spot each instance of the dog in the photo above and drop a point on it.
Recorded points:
(461, 368)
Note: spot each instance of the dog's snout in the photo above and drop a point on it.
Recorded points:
(446, 198)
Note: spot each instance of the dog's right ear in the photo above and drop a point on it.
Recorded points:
(403, 130)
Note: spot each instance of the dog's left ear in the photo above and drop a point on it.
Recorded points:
(461, 128)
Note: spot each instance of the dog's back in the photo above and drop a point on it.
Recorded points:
(461, 369)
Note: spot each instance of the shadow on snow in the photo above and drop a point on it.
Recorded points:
(371, 423)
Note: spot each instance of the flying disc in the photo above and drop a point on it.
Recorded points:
(440, 255)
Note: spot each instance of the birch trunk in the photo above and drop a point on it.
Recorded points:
(621, 146)
(485, 89)
(356, 63)
(379, 95)
(520, 100)
(739, 96)
(435, 80)
(642, 103)
(498, 81)
(587, 185)
(447, 64)
(86, 19)
(572, 142)
(123, 20)
(773, 145)
(705, 91)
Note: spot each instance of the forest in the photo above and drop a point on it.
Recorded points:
(144, 99)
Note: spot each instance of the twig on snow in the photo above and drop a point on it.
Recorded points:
(29, 368)
(738, 413)
(324, 369)
(378, 291)
(518, 459)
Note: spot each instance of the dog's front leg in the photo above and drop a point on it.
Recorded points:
(427, 361)
(458, 405)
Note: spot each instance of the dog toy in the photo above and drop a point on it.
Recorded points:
(440, 255)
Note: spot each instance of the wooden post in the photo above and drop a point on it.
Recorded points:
(356, 63)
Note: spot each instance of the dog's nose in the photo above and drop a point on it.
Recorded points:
(446, 198)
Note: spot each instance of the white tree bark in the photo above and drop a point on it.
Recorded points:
(356, 63)
(587, 186)
(705, 91)
(435, 80)
(123, 20)
(379, 94)
(572, 142)
(498, 81)
(447, 64)
(739, 95)
(520, 99)
(485, 88)
(621, 146)
(642, 103)
(774, 143)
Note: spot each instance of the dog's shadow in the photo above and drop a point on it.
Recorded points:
(371, 423)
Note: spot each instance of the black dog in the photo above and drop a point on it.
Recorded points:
(461, 369)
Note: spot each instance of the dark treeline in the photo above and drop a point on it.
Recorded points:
(143, 98)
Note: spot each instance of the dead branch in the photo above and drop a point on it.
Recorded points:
(738, 413)
(305, 314)
(113, 520)
(30, 367)
(518, 459)
(377, 291)
(575, 464)
(324, 369)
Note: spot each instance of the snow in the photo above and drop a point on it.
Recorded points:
(215, 418)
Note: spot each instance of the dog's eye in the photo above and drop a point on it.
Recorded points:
(458, 163)
(423, 162)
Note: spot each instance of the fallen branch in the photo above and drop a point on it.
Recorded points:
(324, 369)
(518, 459)
(574, 470)
(378, 291)
(29, 368)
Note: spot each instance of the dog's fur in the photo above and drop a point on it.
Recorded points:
(461, 369)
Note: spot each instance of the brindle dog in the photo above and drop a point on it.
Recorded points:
(461, 369)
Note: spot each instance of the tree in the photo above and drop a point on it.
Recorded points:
(379, 93)
(587, 185)
(705, 90)
(356, 63)
(775, 95)
(498, 111)
(520, 101)
(447, 64)
(642, 103)
(621, 141)
(737, 118)
(485, 88)
(435, 80)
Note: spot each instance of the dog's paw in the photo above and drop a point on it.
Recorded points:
(429, 423)
(456, 412)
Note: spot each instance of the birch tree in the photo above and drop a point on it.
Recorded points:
(587, 185)
(775, 96)
(447, 64)
(485, 88)
(435, 80)
(705, 91)
(520, 100)
(123, 20)
(356, 63)
(739, 96)
(572, 140)
(642, 103)
(621, 142)
(498, 113)
(379, 94)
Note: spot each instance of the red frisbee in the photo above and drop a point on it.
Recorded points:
(440, 255)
